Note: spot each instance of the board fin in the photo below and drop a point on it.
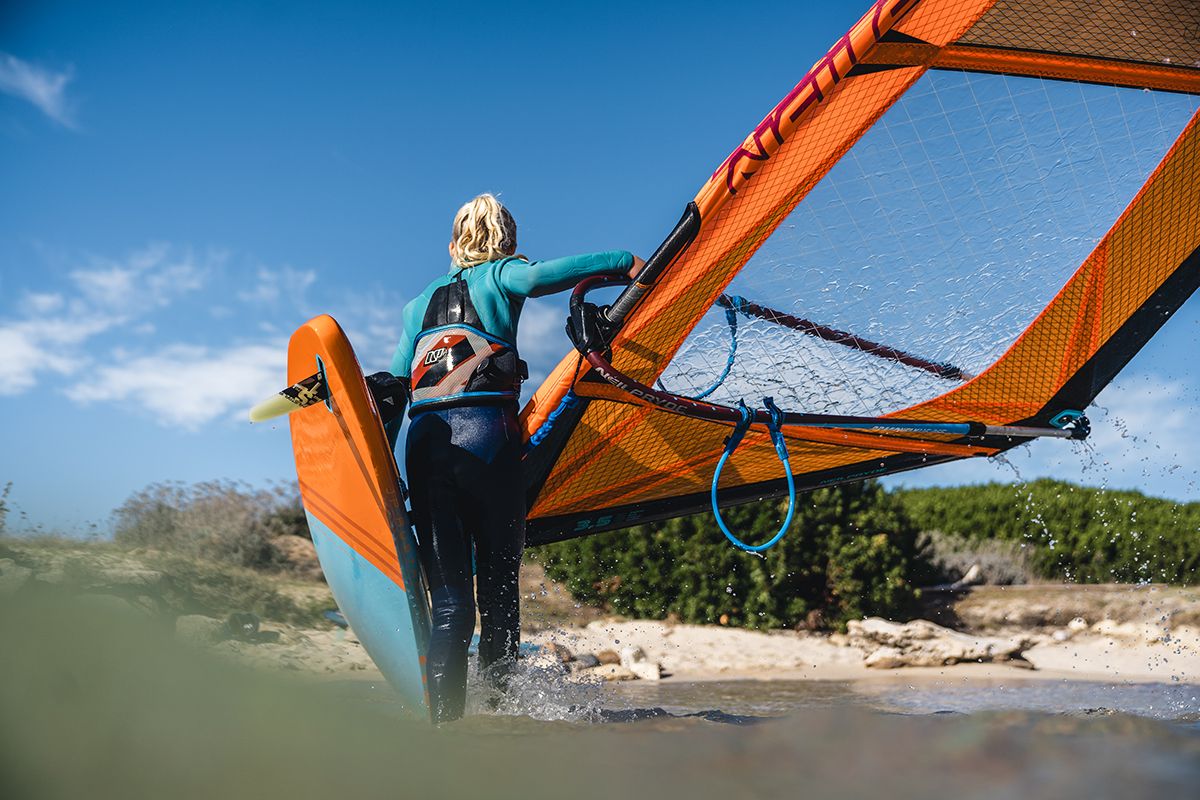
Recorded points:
(305, 393)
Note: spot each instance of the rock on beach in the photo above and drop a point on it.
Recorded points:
(920, 643)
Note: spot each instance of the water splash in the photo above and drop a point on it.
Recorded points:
(540, 687)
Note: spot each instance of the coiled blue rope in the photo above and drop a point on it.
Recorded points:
(731, 318)
(774, 425)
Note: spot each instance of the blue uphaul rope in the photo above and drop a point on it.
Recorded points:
(731, 318)
(568, 400)
(774, 423)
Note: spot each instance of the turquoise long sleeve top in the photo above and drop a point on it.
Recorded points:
(498, 291)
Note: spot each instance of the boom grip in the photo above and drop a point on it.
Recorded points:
(676, 242)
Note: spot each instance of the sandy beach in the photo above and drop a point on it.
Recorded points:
(1115, 634)
(1107, 633)
(701, 652)
(1130, 654)
(1147, 633)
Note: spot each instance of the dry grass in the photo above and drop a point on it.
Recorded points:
(164, 583)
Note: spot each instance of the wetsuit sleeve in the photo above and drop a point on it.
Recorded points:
(402, 366)
(402, 358)
(547, 277)
(410, 327)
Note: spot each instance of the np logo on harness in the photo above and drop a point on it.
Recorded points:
(436, 355)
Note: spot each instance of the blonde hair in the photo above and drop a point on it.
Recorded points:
(484, 230)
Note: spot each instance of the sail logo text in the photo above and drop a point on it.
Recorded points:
(825, 75)
(654, 398)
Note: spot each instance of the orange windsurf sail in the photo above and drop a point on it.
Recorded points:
(954, 231)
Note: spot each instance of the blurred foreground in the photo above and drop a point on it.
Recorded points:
(102, 703)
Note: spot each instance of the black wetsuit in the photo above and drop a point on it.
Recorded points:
(463, 456)
(464, 473)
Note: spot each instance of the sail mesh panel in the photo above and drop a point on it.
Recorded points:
(943, 233)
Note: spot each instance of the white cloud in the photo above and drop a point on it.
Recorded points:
(52, 329)
(149, 278)
(143, 369)
(26, 354)
(188, 386)
(286, 284)
(372, 323)
(104, 287)
(42, 303)
(43, 88)
(34, 346)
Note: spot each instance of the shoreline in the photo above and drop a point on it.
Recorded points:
(700, 653)
(337, 655)
(1040, 632)
(954, 673)
(712, 654)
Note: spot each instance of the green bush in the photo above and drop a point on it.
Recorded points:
(850, 552)
(1072, 532)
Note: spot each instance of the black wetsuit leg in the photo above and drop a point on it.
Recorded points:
(464, 474)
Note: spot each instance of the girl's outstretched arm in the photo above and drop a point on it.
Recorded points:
(537, 278)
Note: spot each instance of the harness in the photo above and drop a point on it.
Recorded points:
(456, 362)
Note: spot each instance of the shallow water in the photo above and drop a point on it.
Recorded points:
(544, 696)
(1162, 701)
(1024, 738)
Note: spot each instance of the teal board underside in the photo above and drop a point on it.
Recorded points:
(380, 614)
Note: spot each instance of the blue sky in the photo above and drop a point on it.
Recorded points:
(183, 184)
